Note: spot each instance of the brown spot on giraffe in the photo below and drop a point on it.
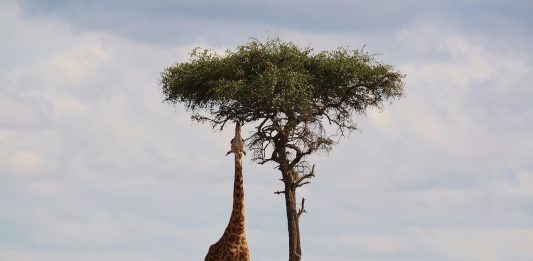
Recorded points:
(232, 245)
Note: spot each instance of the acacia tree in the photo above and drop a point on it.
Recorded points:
(289, 94)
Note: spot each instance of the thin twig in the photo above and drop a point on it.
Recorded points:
(302, 209)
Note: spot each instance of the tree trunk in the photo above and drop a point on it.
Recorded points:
(295, 251)
(293, 224)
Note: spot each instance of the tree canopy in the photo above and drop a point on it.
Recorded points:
(279, 83)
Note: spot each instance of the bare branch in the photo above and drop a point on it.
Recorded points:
(302, 209)
(265, 161)
(299, 154)
(295, 148)
(309, 175)
(301, 184)
(260, 126)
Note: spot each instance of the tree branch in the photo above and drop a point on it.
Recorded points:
(265, 161)
(309, 175)
(299, 153)
(301, 184)
(302, 209)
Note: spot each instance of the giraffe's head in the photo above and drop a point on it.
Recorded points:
(237, 143)
(237, 128)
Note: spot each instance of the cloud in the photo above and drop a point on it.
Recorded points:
(82, 145)
(437, 244)
(167, 22)
(440, 159)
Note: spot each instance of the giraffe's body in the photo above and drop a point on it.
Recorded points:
(232, 245)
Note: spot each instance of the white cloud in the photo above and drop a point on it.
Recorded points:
(83, 114)
(438, 244)
(26, 161)
(487, 244)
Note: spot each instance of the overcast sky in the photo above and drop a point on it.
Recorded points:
(93, 166)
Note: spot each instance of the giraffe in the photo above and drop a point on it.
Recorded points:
(232, 245)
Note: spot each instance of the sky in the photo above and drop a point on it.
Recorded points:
(94, 166)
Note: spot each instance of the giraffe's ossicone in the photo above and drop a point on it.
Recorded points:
(232, 245)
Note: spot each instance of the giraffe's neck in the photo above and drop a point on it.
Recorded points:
(238, 191)
(236, 224)
(238, 130)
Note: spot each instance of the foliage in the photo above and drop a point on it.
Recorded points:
(284, 89)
